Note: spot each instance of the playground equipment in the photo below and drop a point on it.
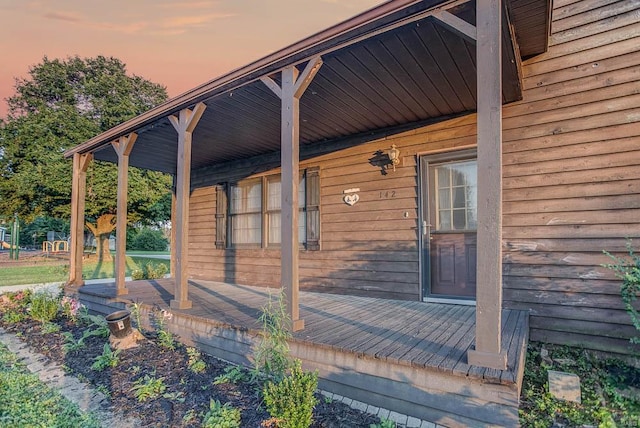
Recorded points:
(14, 244)
(55, 246)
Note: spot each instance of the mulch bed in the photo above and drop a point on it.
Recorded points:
(189, 393)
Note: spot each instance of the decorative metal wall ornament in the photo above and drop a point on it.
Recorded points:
(351, 196)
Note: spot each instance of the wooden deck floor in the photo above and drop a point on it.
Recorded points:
(424, 335)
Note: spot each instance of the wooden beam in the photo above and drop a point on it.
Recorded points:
(304, 80)
(123, 147)
(458, 25)
(293, 86)
(78, 191)
(184, 125)
(271, 84)
(488, 351)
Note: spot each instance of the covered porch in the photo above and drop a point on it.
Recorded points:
(408, 356)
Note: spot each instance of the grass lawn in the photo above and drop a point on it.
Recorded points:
(27, 402)
(91, 269)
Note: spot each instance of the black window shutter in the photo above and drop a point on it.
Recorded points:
(313, 208)
(221, 216)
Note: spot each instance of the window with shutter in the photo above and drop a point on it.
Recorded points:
(254, 212)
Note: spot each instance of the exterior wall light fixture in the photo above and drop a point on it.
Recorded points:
(394, 156)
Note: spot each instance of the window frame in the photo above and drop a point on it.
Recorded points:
(265, 212)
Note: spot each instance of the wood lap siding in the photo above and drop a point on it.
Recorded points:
(571, 177)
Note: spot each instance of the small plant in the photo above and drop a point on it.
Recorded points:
(50, 327)
(135, 309)
(13, 316)
(148, 387)
(232, 374)
(189, 417)
(165, 337)
(291, 400)
(108, 358)
(271, 356)
(175, 396)
(43, 307)
(71, 308)
(221, 416)
(106, 391)
(384, 423)
(628, 270)
(70, 343)
(195, 362)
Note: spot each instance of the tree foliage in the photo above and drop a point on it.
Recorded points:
(63, 103)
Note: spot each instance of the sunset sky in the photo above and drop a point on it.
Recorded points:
(179, 44)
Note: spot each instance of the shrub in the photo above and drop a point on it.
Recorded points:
(150, 271)
(149, 240)
(291, 400)
(271, 356)
(221, 416)
(44, 307)
(628, 270)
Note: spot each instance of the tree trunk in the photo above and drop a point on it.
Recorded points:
(105, 224)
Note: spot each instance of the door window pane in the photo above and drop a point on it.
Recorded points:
(456, 195)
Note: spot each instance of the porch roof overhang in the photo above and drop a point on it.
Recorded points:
(393, 66)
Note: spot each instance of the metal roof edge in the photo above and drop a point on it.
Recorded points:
(206, 90)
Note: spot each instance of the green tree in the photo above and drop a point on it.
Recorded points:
(63, 103)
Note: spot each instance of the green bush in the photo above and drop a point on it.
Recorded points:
(149, 240)
(628, 270)
(44, 307)
(291, 401)
(150, 271)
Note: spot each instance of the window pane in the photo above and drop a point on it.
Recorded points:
(472, 218)
(246, 229)
(302, 192)
(273, 194)
(275, 227)
(275, 188)
(459, 197)
(275, 221)
(444, 199)
(459, 219)
(302, 227)
(444, 220)
(443, 177)
(246, 197)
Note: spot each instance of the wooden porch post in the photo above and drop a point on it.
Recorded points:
(488, 351)
(123, 147)
(184, 126)
(172, 256)
(293, 86)
(78, 191)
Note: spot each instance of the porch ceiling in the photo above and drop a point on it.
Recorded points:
(371, 79)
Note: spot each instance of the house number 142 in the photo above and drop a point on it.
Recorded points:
(388, 194)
